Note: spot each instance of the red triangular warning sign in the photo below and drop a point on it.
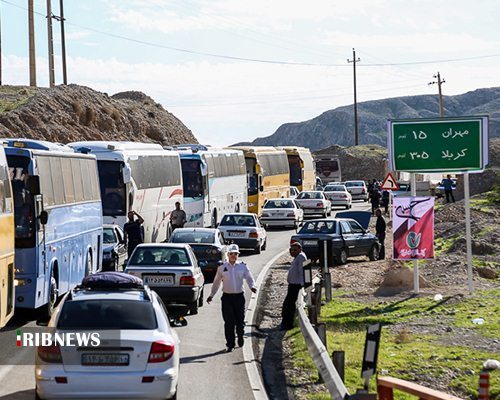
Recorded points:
(390, 183)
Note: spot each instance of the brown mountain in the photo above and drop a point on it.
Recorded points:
(73, 113)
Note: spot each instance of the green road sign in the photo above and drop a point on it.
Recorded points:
(438, 145)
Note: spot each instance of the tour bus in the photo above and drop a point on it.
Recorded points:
(215, 183)
(143, 177)
(6, 244)
(267, 173)
(300, 162)
(57, 219)
(328, 168)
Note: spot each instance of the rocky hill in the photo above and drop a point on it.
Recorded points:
(337, 126)
(71, 113)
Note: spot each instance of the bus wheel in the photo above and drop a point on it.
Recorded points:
(48, 309)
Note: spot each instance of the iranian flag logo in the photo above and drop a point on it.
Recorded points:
(18, 338)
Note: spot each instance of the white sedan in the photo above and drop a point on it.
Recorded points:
(338, 195)
(314, 202)
(245, 230)
(281, 212)
(136, 356)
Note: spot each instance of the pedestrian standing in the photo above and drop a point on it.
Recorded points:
(178, 217)
(133, 231)
(448, 188)
(380, 227)
(375, 199)
(295, 279)
(385, 201)
(232, 274)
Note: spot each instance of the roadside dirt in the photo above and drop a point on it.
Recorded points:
(387, 280)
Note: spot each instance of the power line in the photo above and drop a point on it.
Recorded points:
(256, 60)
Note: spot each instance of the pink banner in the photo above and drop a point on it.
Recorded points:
(413, 228)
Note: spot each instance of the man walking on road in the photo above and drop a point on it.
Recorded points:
(448, 188)
(133, 232)
(295, 280)
(178, 217)
(232, 274)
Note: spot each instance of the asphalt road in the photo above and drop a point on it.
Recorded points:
(206, 371)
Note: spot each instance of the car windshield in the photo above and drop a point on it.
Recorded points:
(279, 204)
(337, 188)
(107, 314)
(237, 220)
(108, 236)
(193, 237)
(160, 256)
(318, 227)
(309, 195)
(355, 184)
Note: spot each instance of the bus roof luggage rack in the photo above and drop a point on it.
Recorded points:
(111, 280)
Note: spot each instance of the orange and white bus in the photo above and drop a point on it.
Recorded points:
(268, 175)
(301, 165)
(6, 243)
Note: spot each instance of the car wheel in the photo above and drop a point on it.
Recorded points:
(264, 246)
(200, 299)
(373, 254)
(117, 263)
(193, 308)
(258, 249)
(37, 396)
(214, 220)
(347, 207)
(342, 257)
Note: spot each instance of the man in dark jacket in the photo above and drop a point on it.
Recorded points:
(134, 233)
(375, 199)
(380, 227)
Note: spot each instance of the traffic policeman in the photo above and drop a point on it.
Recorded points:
(232, 274)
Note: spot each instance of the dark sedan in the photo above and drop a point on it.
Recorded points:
(207, 244)
(114, 252)
(348, 237)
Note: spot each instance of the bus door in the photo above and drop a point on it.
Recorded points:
(205, 186)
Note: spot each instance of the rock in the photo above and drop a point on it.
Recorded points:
(487, 273)
(449, 329)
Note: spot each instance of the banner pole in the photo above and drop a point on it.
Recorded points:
(468, 236)
(416, 286)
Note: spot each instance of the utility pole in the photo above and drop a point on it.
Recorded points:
(60, 18)
(354, 61)
(31, 31)
(439, 82)
(51, 45)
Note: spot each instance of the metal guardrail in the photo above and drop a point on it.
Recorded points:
(318, 351)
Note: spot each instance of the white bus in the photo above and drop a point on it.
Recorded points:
(143, 177)
(215, 183)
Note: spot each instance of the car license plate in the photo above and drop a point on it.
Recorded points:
(310, 242)
(158, 280)
(236, 234)
(105, 359)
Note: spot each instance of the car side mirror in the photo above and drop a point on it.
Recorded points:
(44, 217)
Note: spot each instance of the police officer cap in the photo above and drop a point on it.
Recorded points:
(233, 248)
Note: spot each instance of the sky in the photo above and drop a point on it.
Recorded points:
(235, 70)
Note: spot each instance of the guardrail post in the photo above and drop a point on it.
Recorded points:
(326, 260)
(384, 392)
(484, 385)
(317, 298)
(338, 358)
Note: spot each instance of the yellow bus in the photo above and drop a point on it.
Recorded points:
(300, 162)
(267, 174)
(6, 243)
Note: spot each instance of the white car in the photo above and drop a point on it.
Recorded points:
(338, 195)
(245, 230)
(137, 355)
(171, 270)
(314, 202)
(294, 192)
(357, 189)
(281, 212)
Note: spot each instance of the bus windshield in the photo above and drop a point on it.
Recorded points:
(23, 202)
(112, 188)
(192, 178)
(295, 170)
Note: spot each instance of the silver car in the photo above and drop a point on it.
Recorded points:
(171, 270)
